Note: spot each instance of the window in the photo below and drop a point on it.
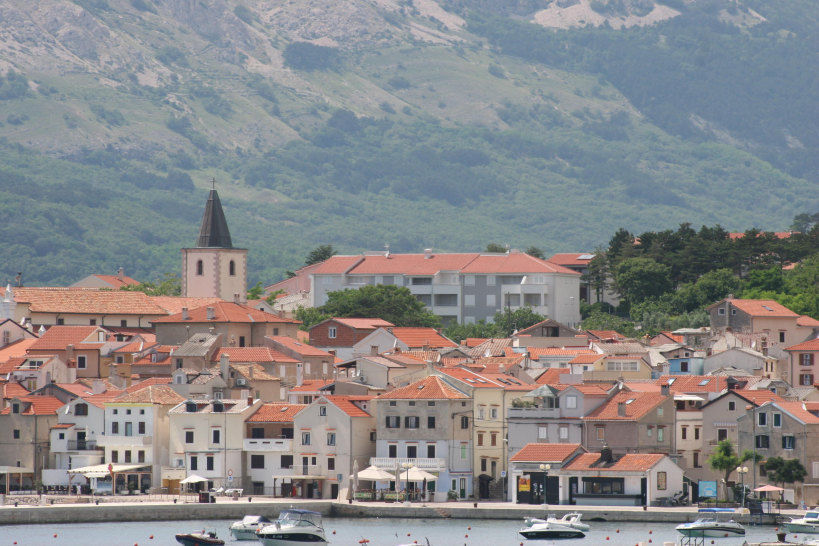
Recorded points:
(332, 332)
(431, 403)
(721, 312)
(412, 403)
(373, 436)
(15, 408)
(412, 421)
(200, 267)
(601, 433)
(781, 337)
(115, 457)
(123, 323)
(393, 421)
(659, 412)
(217, 436)
(490, 281)
(257, 461)
(732, 406)
(140, 456)
(82, 362)
(392, 451)
(493, 439)
(762, 471)
(762, 441)
(722, 434)
(322, 410)
(469, 320)
(571, 402)
(194, 462)
(788, 442)
(209, 462)
(114, 427)
(81, 409)
(62, 436)
(816, 470)
(141, 427)
(232, 268)
(696, 459)
(650, 431)
(331, 438)
(564, 432)
(188, 436)
(617, 366)
(331, 463)
(684, 366)
(305, 438)
(421, 281)
(60, 322)
(762, 419)
(92, 322)
(430, 421)
(241, 341)
(464, 422)
(493, 413)
(542, 432)
(733, 311)
(412, 451)
(127, 412)
(286, 461)
(777, 420)
(481, 413)
(463, 452)
(806, 379)
(483, 465)
(469, 300)
(660, 434)
(684, 433)
(480, 439)
(393, 403)
(490, 300)
(469, 280)
(16, 434)
(806, 359)
(696, 433)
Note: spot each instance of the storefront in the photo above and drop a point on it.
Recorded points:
(114, 479)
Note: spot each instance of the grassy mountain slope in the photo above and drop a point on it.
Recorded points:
(119, 112)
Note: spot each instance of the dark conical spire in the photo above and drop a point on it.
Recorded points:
(214, 232)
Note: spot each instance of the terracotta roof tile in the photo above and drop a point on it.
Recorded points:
(759, 308)
(364, 323)
(693, 383)
(515, 262)
(495, 347)
(412, 264)
(300, 347)
(13, 390)
(63, 425)
(545, 453)
(153, 394)
(38, 405)
(537, 352)
(586, 359)
(225, 312)
(145, 383)
(115, 281)
(800, 411)
(252, 354)
(275, 413)
(643, 402)
(429, 388)
(345, 404)
(758, 396)
(99, 400)
(472, 379)
(87, 301)
(474, 341)
(606, 334)
(174, 304)
(422, 337)
(807, 322)
(16, 348)
(232, 406)
(571, 258)
(309, 385)
(336, 265)
(147, 360)
(632, 462)
(259, 373)
(551, 376)
(58, 337)
(810, 345)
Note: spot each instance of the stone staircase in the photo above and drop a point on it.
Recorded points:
(445, 513)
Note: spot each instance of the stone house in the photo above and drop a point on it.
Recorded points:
(339, 335)
(26, 424)
(269, 451)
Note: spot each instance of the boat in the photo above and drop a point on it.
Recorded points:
(204, 538)
(711, 527)
(295, 527)
(569, 520)
(538, 529)
(809, 523)
(246, 529)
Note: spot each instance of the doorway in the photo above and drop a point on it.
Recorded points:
(334, 490)
(462, 487)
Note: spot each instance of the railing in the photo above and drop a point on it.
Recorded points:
(388, 463)
(82, 445)
(121, 440)
(268, 444)
(532, 413)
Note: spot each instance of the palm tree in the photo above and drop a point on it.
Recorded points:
(725, 459)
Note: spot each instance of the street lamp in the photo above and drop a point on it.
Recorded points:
(407, 467)
(742, 470)
(545, 468)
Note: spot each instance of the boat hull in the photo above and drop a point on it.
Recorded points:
(196, 540)
(243, 534)
(802, 528)
(290, 538)
(551, 533)
(711, 532)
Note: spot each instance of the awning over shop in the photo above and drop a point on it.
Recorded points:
(688, 398)
(107, 469)
(300, 477)
(11, 471)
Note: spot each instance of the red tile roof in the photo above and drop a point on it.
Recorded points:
(225, 312)
(300, 347)
(421, 337)
(429, 388)
(145, 383)
(758, 396)
(252, 354)
(87, 301)
(39, 405)
(309, 385)
(16, 348)
(473, 379)
(337, 265)
(759, 308)
(567, 259)
(364, 323)
(63, 425)
(474, 341)
(643, 402)
(57, 338)
(13, 390)
(807, 322)
(174, 304)
(134, 347)
(345, 404)
(515, 262)
(810, 345)
(777, 234)
(10, 365)
(632, 462)
(798, 410)
(275, 413)
(586, 359)
(115, 281)
(551, 376)
(593, 390)
(692, 383)
(606, 334)
(675, 337)
(99, 400)
(536, 352)
(412, 264)
(545, 453)
(154, 394)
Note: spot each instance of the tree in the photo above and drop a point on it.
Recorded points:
(508, 321)
(169, 285)
(309, 316)
(392, 303)
(495, 247)
(319, 254)
(599, 275)
(725, 459)
(256, 292)
(536, 252)
(480, 329)
(640, 278)
(271, 298)
(599, 320)
(785, 471)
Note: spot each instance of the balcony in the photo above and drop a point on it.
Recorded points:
(388, 463)
(119, 440)
(82, 445)
(533, 413)
(268, 444)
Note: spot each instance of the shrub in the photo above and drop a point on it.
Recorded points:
(13, 86)
(143, 5)
(168, 55)
(399, 82)
(387, 107)
(244, 13)
(407, 110)
(497, 71)
(307, 56)
(111, 117)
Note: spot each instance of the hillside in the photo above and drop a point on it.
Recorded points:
(473, 122)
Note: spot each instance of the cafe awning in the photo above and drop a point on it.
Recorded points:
(300, 477)
(688, 398)
(100, 470)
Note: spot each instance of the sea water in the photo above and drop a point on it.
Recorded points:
(378, 531)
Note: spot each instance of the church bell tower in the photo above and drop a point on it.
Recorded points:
(214, 268)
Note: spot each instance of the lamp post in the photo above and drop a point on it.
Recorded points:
(407, 467)
(545, 468)
(742, 470)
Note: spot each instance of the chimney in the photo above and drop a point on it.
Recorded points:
(121, 274)
(236, 299)
(427, 253)
(211, 313)
(621, 409)
(373, 350)
(98, 387)
(252, 372)
(185, 314)
(249, 400)
(280, 312)
(664, 389)
(299, 374)
(502, 369)
(69, 351)
(430, 367)
(224, 366)
(426, 345)
(605, 454)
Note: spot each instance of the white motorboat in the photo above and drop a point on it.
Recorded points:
(540, 529)
(569, 520)
(711, 527)
(246, 529)
(809, 523)
(295, 527)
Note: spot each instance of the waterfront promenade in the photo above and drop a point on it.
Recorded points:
(143, 509)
